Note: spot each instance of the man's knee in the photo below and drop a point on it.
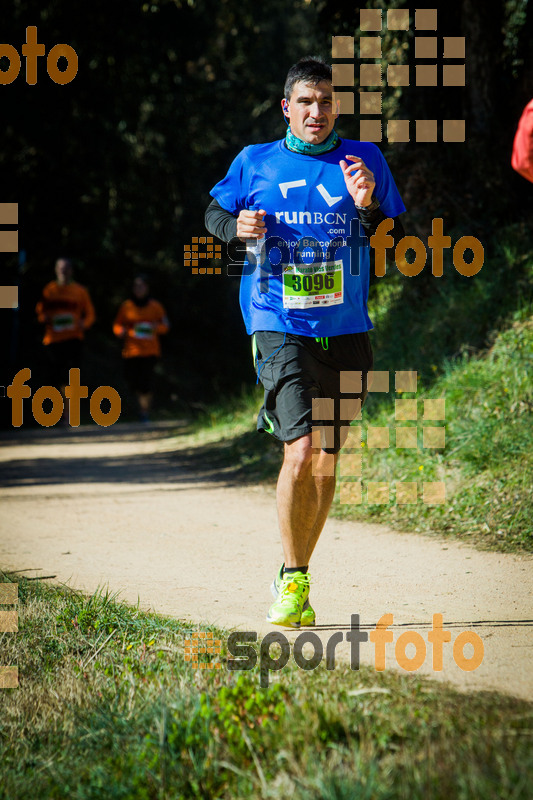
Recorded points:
(304, 460)
(299, 456)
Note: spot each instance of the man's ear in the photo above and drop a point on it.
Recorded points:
(338, 106)
(285, 107)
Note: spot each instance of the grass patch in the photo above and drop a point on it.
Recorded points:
(487, 464)
(108, 708)
(422, 323)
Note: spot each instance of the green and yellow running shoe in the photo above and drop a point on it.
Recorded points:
(308, 614)
(291, 607)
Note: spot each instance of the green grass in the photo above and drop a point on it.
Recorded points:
(107, 707)
(487, 463)
(422, 323)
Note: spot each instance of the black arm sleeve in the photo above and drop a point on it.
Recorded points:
(370, 222)
(219, 222)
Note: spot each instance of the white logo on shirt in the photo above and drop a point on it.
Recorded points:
(331, 201)
(310, 218)
(284, 187)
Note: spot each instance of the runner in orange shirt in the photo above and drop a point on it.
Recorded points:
(66, 310)
(139, 322)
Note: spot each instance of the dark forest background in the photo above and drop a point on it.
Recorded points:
(114, 169)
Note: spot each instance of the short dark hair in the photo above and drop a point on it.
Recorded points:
(309, 70)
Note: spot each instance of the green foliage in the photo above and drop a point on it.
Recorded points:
(470, 340)
(243, 715)
(424, 323)
(516, 15)
(487, 462)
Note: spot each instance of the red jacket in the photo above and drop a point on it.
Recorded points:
(522, 160)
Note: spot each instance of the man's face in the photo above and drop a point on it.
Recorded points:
(310, 111)
(63, 271)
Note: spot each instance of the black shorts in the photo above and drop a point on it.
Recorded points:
(310, 389)
(62, 357)
(139, 373)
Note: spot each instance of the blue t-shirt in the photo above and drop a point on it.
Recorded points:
(314, 270)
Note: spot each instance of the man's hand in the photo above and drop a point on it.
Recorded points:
(359, 180)
(250, 224)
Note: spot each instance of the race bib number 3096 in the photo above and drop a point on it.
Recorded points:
(307, 285)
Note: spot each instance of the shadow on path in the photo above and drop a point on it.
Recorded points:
(237, 461)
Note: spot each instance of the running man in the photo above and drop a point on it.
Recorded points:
(306, 312)
(66, 310)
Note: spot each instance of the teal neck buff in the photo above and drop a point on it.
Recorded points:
(299, 146)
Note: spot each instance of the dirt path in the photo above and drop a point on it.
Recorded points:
(124, 507)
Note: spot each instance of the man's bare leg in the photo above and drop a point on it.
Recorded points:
(303, 499)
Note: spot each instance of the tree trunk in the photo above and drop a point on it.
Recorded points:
(482, 25)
